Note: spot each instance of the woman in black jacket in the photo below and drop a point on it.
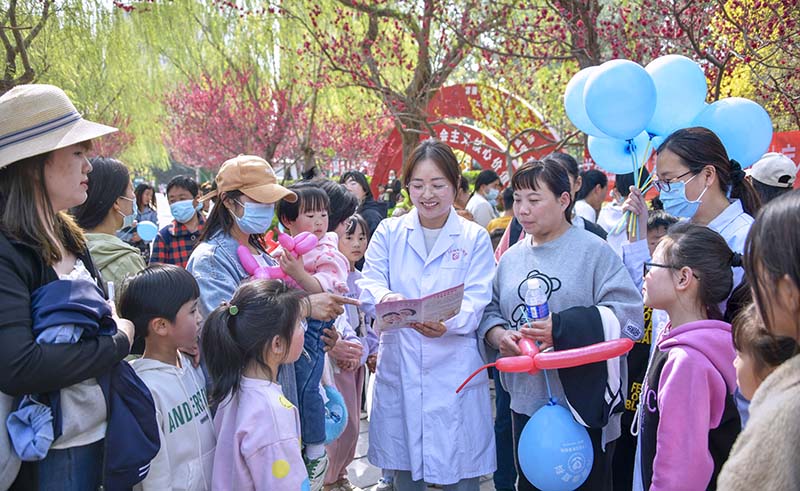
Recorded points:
(43, 173)
(372, 211)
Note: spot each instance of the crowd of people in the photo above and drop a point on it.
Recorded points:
(210, 357)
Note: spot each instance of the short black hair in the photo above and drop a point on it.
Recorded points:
(360, 178)
(185, 182)
(589, 180)
(508, 198)
(357, 221)
(343, 203)
(623, 182)
(486, 176)
(308, 199)
(158, 291)
(568, 161)
(768, 193)
(660, 218)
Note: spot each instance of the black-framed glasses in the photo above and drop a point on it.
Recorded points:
(648, 266)
(664, 185)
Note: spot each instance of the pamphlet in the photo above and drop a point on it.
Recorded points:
(436, 307)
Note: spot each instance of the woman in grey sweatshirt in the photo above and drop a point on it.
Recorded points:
(592, 299)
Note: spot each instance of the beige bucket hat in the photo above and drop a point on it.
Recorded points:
(38, 118)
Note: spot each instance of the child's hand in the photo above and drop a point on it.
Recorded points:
(293, 266)
(330, 337)
(372, 363)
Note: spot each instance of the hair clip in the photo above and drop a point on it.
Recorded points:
(233, 310)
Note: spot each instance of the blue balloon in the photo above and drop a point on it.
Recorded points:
(574, 106)
(615, 156)
(335, 414)
(555, 452)
(147, 230)
(744, 127)
(680, 93)
(620, 98)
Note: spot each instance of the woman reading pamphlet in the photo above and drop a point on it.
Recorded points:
(419, 426)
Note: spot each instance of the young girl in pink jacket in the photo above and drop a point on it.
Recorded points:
(258, 429)
(687, 416)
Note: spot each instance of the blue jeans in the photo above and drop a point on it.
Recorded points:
(70, 469)
(308, 373)
(505, 477)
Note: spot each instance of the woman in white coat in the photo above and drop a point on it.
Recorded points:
(419, 426)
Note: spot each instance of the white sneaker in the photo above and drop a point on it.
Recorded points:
(316, 471)
(384, 486)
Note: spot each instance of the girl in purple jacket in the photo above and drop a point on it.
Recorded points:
(688, 419)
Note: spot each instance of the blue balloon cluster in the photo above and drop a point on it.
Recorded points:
(555, 452)
(619, 103)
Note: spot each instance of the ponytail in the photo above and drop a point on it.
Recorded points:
(224, 358)
(238, 333)
(699, 147)
(743, 190)
(707, 253)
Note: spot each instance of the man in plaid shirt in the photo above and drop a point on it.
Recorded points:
(175, 242)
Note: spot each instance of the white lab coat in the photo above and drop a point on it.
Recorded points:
(418, 422)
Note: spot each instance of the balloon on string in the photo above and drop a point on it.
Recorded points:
(555, 452)
(574, 105)
(620, 98)
(147, 230)
(615, 155)
(680, 93)
(744, 127)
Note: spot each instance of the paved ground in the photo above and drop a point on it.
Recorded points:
(364, 475)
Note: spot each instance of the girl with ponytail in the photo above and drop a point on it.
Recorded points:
(687, 415)
(258, 429)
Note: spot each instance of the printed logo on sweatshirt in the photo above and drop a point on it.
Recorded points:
(186, 411)
(648, 326)
(551, 284)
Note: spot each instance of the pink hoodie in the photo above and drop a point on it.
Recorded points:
(692, 389)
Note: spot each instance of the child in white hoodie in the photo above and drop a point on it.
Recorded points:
(162, 303)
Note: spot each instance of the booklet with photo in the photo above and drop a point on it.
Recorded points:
(435, 307)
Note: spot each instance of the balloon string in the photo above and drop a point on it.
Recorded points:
(546, 378)
(476, 372)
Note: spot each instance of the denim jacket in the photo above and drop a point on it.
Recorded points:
(216, 267)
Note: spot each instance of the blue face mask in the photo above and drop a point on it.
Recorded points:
(183, 211)
(491, 196)
(127, 220)
(256, 219)
(676, 203)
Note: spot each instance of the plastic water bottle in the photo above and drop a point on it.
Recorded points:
(536, 301)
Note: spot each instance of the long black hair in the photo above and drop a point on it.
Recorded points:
(698, 147)
(238, 333)
(139, 192)
(772, 250)
(108, 180)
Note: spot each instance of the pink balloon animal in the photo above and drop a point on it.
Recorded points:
(531, 360)
(297, 246)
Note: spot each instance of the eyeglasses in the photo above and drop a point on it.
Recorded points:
(648, 266)
(664, 185)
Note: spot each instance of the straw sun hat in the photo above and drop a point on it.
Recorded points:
(36, 119)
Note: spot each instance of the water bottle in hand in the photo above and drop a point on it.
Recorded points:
(536, 301)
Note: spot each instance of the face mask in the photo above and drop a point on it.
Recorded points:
(491, 196)
(256, 219)
(183, 211)
(127, 220)
(676, 203)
